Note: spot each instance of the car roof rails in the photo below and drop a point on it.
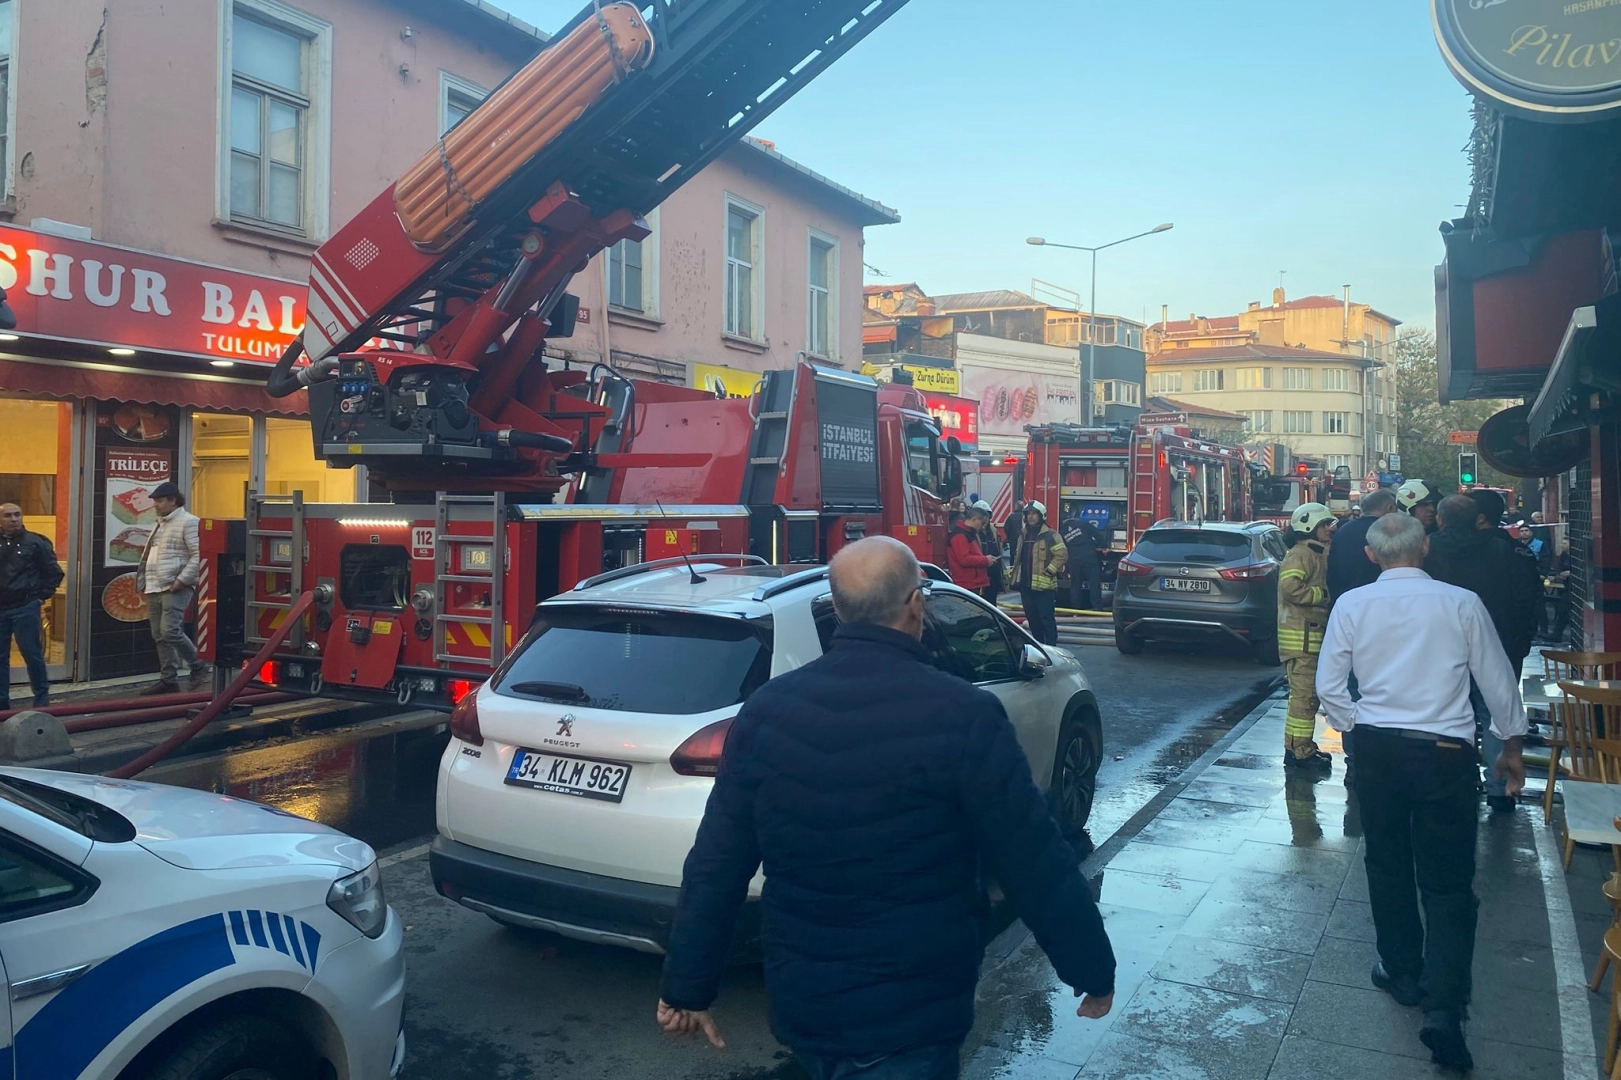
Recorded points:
(664, 564)
(816, 574)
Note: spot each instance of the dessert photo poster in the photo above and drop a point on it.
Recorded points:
(132, 475)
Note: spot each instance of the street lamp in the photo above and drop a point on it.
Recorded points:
(1091, 338)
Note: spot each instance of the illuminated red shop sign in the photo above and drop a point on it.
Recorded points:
(76, 290)
(957, 416)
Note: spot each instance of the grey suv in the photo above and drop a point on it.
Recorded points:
(1199, 579)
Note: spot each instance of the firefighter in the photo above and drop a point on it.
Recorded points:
(1302, 618)
(1038, 560)
(1418, 500)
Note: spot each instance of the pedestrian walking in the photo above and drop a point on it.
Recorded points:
(170, 567)
(1038, 560)
(990, 545)
(1084, 541)
(1302, 617)
(879, 795)
(1348, 564)
(1014, 525)
(966, 561)
(29, 575)
(1416, 497)
(1416, 645)
(1472, 553)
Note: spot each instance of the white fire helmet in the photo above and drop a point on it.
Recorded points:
(1412, 493)
(1308, 516)
(1038, 506)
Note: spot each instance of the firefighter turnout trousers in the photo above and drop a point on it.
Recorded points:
(1302, 618)
(1301, 723)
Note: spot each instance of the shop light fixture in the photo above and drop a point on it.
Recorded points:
(122, 352)
(222, 363)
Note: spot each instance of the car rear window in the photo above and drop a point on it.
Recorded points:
(1197, 545)
(636, 661)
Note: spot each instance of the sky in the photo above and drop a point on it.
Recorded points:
(1321, 140)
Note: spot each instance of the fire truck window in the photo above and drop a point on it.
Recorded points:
(221, 453)
(969, 642)
(374, 577)
(672, 664)
(920, 454)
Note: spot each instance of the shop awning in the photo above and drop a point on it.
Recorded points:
(1586, 361)
(209, 393)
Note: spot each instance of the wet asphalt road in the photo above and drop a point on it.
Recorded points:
(489, 1003)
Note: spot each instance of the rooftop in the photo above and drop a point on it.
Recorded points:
(487, 10)
(1157, 404)
(867, 211)
(1252, 352)
(991, 300)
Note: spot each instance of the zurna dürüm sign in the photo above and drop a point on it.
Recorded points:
(1549, 59)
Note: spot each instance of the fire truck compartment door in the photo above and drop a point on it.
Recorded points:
(363, 650)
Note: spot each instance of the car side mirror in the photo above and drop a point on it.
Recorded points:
(1035, 662)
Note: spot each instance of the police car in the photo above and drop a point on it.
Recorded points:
(158, 933)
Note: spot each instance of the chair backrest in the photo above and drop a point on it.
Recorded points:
(1560, 665)
(1589, 722)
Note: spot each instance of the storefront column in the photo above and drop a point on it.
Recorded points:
(1603, 614)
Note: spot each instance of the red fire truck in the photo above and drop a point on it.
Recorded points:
(1125, 479)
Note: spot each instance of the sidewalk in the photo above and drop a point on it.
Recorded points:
(1240, 920)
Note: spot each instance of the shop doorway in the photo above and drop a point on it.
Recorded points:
(36, 472)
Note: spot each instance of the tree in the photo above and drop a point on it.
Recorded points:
(1422, 422)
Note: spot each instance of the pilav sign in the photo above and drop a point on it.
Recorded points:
(1550, 59)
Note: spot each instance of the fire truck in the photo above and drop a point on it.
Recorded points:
(1125, 479)
(512, 479)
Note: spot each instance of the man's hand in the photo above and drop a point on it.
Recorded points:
(1095, 1008)
(177, 587)
(689, 1022)
(1511, 768)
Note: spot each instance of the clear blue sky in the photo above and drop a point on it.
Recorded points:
(1323, 139)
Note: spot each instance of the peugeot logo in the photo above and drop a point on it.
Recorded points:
(1186, 572)
(565, 727)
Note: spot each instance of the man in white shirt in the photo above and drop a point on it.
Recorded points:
(1414, 644)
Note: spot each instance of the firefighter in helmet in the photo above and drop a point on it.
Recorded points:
(1302, 618)
(1418, 499)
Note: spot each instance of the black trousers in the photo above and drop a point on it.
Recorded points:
(1418, 805)
(1041, 609)
(1086, 576)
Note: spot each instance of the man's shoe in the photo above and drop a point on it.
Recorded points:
(201, 675)
(1443, 1034)
(1405, 989)
(162, 687)
(1501, 804)
(1318, 762)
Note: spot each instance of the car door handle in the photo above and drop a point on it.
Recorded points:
(45, 984)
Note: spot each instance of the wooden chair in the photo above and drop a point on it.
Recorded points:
(1593, 802)
(1559, 666)
(1612, 896)
(1612, 952)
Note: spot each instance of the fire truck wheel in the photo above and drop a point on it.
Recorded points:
(1266, 653)
(1127, 642)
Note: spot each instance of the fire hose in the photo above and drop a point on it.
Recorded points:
(79, 724)
(213, 709)
(174, 703)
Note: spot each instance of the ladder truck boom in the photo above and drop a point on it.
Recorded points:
(429, 311)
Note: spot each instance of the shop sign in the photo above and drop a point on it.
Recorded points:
(1462, 438)
(930, 380)
(77, 290)
(1010, 401)
(957, 417)
(1550, 59)
(132, 474)
(724, 381)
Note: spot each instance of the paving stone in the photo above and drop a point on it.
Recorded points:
(1524, 1019)
(1518, 923)
(1356, 883)
(1300, 1058)
(1514, 965)
(1145, 892)
(1320, 865)
(1204, 1021)
(1185, 863)
(1344, 962)
(1258, 762)
(1291, 892)
(1321, 831)
(1257, 795)
(1230, 814)
(1352, 1016)
(1220, 774)
(996, 1063)
(1351, 919)
(1122, 1057)
(1496, 1060)
(1200, 836)
(1140, 931)
(1070, 1038)
(1235, 969)
(1257, 923)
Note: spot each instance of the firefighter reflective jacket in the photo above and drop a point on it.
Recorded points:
(1050, 557)
(1303, 599)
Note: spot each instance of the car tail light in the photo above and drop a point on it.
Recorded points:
(1129, 568)
(464, 720)
(700, 755)
(458, 689)
(1252, 572)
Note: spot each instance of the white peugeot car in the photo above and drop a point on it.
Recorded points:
(156, 933)
(575, 780)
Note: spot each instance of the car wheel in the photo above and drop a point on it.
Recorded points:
(237, 1048)
(1266, 653)
(1127, 642)
(1075, 772)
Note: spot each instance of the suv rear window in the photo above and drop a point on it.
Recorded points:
(1197, 545)
(669, 663)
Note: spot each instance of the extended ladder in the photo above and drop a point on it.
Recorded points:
(274, 554)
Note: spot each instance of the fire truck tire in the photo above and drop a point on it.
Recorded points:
(1266, 653)
(1127, 642)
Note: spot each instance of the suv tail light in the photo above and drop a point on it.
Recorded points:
(1252, 572)
(700, 755)
(464, 720)
(1131, 568)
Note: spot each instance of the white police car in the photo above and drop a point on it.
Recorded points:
(157, 933)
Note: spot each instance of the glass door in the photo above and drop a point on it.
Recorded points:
(36, 473)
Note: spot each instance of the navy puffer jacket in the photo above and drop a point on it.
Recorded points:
(873, 788)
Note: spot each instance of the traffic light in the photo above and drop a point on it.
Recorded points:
(1466, 469)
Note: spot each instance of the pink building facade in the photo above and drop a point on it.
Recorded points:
(168, 167)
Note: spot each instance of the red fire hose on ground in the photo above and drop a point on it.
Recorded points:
(102, 722)
(223, 701)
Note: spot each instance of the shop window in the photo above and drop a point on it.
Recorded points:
(221, 465)
(291, 465)
(36, 456)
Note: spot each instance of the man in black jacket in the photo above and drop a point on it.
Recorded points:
(1471, 552)
(1084, 540)
(879, 794)
(1348, 564)
(29, 575)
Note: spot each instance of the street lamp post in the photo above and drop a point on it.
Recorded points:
(1089, 365)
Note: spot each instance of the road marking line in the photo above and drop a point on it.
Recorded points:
(422, 849)
(1580, 1055)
